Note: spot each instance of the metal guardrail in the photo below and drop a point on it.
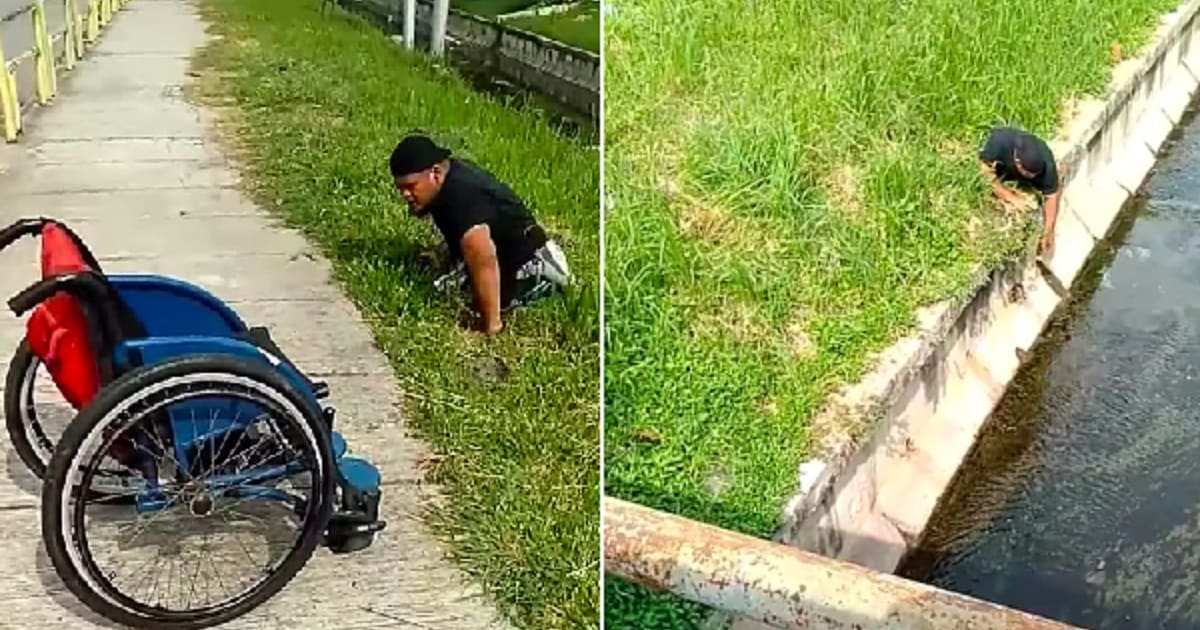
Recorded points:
(78, 32)
(566, 75)
(782, 586)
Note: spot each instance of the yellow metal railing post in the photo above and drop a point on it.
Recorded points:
(44, 61)
(10, 109)
(93, 21)
(79, 22)
(71, 48)
(80, 29)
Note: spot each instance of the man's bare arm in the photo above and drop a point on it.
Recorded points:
(479, 253)
(1050, 215)
(988, 169)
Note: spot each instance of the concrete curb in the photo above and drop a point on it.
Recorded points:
(563, 73)
(868, 499)
(548, 9)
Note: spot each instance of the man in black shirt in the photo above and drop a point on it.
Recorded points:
(493, 240)
(1012, 155)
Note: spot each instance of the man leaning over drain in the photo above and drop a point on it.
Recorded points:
(495, 244)
(1012, 155)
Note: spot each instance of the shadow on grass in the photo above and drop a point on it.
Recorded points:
(414, 259)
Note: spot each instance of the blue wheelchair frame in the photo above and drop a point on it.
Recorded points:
(180, 319)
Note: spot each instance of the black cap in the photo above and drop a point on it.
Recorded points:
(1030, 154)
(414, 154)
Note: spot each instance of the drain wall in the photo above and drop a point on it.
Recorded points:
(868, 500)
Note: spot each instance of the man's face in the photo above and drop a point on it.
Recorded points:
(418, 189)
(1026, 173)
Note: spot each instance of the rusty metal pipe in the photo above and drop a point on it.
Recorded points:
(779, 585)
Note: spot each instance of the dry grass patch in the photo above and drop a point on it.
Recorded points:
(843, 188)
(731, 318)
(798, 340)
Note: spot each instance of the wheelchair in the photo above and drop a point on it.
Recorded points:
(198, 471)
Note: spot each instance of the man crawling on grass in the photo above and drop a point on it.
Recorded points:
(494, 242)
(1012, 155)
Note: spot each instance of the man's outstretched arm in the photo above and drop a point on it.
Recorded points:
(479, 253)
(1050, 215)
(988, 170)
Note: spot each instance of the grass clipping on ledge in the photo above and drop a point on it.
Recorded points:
(578, 25)
(786, 184)
(314, 105)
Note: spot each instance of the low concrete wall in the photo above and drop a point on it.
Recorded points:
(568, 75)
(867, 499)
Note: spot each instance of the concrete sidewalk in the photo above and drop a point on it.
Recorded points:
(125, 160)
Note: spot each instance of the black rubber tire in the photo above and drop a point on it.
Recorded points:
(126, 387)
(23, 360)
(34, 458)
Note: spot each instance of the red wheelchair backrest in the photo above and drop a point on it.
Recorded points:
(58, 330)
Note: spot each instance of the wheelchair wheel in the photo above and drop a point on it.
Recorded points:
(36, 415)
(239, 489)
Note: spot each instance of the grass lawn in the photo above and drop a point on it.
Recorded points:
(578, 26)
(316, 105)
(785, 185)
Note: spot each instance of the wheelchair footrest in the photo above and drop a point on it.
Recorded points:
(352, 527)
(347, 535)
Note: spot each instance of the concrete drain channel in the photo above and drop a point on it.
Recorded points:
(1071, 494)
(1081, 499)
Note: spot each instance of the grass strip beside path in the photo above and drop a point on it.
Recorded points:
(786, 183)
(317, 105)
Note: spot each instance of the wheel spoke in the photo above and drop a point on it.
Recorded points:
(203, 545)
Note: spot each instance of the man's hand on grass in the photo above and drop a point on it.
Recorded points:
(493, 328)
(1012, 202)
(1009, 200)
(475, 322)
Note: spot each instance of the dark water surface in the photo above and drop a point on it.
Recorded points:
(1082, 501)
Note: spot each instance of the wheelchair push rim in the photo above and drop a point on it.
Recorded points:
(31, 436)
(200, 541)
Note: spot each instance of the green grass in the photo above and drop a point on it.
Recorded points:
(578, 26)
(492, 8)
(317, 105)
(789, 181)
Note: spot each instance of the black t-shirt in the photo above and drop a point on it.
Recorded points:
(999, 149)
(471, 196)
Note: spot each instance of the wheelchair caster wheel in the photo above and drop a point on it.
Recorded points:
(348, 537)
